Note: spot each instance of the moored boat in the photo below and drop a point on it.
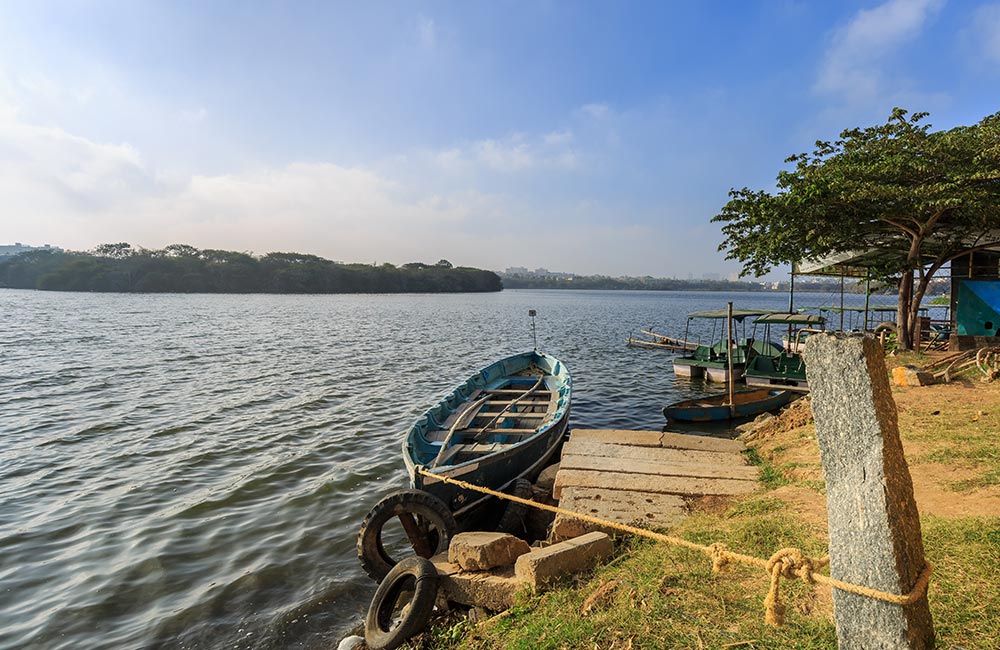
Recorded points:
(505, 422)
(497, 429)
(786, 368)
(717, 408)
(661, 341)
(712, 361)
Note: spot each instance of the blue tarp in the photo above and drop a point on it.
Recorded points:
(978, 309)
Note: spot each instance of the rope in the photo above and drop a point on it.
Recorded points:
(786, 563)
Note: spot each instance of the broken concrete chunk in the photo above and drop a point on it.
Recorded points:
(493, 590)
(545, 564)
(480, 551)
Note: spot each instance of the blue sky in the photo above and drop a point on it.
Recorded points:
(586, 137)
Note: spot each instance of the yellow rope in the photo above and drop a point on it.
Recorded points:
(785, 563)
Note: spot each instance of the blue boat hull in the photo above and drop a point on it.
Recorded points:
(749, 403)
(522, 459)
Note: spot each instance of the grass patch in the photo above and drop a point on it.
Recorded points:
(987, 479)
(769, 476)
(667, 597)
(964, 599)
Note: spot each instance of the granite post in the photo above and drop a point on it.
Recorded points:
(874, 526)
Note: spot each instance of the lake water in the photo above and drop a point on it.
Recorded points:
(189, 471)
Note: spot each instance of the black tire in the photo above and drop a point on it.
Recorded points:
(428, 511)
(512, 519)
(386, 629)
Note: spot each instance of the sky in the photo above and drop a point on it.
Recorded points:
(596, 138)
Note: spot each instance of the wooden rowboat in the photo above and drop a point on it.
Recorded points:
(717, 408)
(505, 422)
(661, 341)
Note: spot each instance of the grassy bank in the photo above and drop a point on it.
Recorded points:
(658, 596)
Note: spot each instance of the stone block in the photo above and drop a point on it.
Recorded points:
(545, 564)
(479, 551)
(493, 590)
(911, 376)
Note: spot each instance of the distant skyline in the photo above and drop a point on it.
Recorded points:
(595, 138)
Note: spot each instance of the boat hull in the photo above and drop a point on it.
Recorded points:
(511, 460)
(713, 409)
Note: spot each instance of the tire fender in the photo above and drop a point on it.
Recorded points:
(420, 507)
(512, 519)
(384, 629)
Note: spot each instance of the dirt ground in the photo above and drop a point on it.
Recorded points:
(950, 438)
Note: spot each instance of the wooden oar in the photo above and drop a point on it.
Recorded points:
(459, 423)
(499, 415)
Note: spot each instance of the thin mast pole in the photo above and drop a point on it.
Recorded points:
(868, 293)
(842, 299)
(729, 357)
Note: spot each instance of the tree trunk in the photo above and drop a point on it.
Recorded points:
(903, 338)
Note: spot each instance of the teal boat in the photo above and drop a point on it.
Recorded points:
(504, 423)
(786, 368)
(711, 361)
(497, 429)
(717, 408)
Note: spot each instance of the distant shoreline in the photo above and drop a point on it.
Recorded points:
(118, 268)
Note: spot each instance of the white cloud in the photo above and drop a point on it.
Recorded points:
(73, 192)
(986, 26)
(426, 32)
(853, 64)
(515, 153)
(558, 138)
(511, 155)
(596, 111)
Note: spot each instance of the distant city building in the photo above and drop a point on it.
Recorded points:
(538, 273)
(18, 247)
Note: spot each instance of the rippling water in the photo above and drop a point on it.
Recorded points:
(190, 471)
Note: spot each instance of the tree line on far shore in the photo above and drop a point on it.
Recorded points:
(180, 268)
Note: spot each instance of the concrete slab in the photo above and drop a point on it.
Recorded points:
(684, 485)
(641, 509)
(658, 467)
(584, 447)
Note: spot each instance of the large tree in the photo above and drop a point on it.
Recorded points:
(913, 198)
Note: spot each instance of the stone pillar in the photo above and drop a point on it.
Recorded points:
(874, 526)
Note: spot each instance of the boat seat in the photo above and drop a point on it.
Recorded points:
(763, 364)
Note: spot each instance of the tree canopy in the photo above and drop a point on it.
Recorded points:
(185, 269)
(915, 198)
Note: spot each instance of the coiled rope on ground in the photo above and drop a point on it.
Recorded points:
(786, 563)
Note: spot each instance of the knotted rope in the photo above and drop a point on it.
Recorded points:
(787, 563)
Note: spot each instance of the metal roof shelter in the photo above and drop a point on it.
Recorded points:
(858, 263)
(738, 314)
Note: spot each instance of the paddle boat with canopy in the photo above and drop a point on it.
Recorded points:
(712, 361)
(787, 368)
(732, 404)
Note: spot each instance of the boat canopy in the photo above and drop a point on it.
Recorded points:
(738, 314)
(858, 309)
(792, 319)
